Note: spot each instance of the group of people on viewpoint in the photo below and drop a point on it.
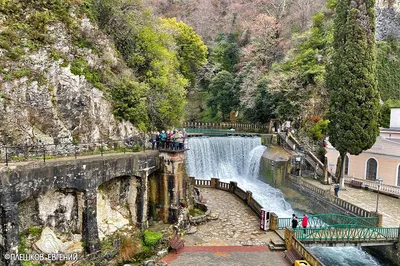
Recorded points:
(170, 140)
(295, 221)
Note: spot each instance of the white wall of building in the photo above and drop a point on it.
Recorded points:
(395, 118)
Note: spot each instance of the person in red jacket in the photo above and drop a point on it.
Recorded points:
(304, 222)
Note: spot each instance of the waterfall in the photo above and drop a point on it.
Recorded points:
(235, 159)
(238, 159)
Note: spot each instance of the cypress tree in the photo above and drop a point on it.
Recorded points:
(351, 78)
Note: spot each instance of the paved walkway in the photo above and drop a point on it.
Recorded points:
(237, 224)
(388, 206)
(226, 256)
(233, 239)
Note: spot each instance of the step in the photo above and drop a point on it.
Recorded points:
(277, 243)
(276, 248)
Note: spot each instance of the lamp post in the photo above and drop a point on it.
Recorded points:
(379, 181)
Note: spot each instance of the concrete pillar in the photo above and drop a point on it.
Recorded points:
(10, 231)
(273, 221)
(289, 234)
(380, 220)
(214, 182)
(233, 186)
(326, 171)
(249, 197)
(90, 233)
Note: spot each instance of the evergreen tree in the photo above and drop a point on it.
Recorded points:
(354, 101)
(223, 94)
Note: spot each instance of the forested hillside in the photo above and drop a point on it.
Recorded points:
(89, 70)
(268, 58)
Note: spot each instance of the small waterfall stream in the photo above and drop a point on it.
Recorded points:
(238, 159)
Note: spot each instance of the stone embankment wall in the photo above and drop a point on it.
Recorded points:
(321, 201)
(232, 187)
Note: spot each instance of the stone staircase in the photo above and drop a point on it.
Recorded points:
(291, 143)
(277, 245)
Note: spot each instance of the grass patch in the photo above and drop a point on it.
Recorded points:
(34, 231)
(196, 212)
(151, 238)
(21, 72)
(17, 158)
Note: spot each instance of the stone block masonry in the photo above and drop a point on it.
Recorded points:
(82, 177)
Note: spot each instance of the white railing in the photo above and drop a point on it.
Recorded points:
(373, 185)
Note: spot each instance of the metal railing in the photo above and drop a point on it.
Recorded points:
(331, 220)
(348, 233)
(41, 151)
(225, 125)
(373, 185)
(299, 183)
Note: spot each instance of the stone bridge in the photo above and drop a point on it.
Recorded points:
(64, 194)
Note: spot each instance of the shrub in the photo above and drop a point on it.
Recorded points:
(151, 238)
(34, 231)
(196, 212)
(127, 249)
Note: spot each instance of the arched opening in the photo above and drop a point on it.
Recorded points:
(372, 169)
(346, 165)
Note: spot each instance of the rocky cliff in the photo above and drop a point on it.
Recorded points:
(49, 83)
(387, 22)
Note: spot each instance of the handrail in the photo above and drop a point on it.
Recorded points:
(233, 188)
(347, 233)
(225, 124)
(372, 185)
(62, 148)
(331, 220)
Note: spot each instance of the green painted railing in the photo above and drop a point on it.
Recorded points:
(349, 233)
(331, 220)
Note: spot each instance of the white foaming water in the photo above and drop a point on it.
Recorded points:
(238, 159)
(344, 256)
(235, 159)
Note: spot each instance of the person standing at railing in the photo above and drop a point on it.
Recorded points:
(176, 137)
(158, 140)
(304, 222)
(163, 139)
(168, 140)
(153, 139)
(180, 141)
(295, 222)
(336, 189)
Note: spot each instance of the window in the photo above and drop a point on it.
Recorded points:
(372, 168)
(346, 165)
